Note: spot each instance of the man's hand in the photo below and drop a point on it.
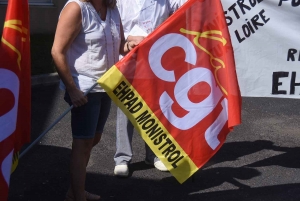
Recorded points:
(135, 39)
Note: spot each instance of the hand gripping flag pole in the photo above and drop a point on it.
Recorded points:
(52, 125)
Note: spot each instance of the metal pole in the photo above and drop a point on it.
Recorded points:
(52, 125)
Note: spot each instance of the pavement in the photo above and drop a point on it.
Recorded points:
(258, 162)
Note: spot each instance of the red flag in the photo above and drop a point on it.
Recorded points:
(179, 87)
(15, 87)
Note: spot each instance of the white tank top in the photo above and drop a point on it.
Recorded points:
(96, 48)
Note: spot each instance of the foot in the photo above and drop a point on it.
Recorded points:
(91, 196)
(158, 165)
(121, 170)
(88, 196)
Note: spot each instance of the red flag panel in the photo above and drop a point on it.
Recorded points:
(15, 87)
(183, 77)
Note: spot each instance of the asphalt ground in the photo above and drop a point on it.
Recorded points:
(260, 160)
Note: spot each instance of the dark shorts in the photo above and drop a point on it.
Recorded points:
(90, 118)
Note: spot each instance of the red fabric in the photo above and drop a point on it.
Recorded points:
(207, 18)
(15, 60)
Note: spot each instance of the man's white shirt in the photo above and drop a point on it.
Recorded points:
(143, 16)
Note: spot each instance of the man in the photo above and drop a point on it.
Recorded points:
(139, 18)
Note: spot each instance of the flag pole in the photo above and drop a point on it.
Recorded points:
(52, 125)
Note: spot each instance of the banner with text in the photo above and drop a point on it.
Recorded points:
(265, 35)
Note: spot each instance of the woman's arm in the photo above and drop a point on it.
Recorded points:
(68, 27)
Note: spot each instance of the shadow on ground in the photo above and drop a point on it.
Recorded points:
(42, 175)
(288, 158)
(258, 162)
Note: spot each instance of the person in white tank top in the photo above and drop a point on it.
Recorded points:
(88, 40)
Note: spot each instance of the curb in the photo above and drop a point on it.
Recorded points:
(50, 78)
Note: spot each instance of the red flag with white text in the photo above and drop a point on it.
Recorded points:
(15, 88)
(179, 87)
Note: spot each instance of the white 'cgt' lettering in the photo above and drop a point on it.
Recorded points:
(160, 47)
(9, 80)
(196, 111)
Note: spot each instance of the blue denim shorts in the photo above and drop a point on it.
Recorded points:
(91, 117)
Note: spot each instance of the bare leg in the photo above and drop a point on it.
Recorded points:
(95, 140)
(81, 149)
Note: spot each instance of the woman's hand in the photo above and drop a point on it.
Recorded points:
(77, 97)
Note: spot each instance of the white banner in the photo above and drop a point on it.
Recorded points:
(266, 39)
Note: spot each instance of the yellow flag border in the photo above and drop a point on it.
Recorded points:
(147, 124)
(15, 161)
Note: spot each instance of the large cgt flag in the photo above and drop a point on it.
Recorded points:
(15, 88)
(179, 87)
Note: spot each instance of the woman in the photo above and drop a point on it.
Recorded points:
(88, 40)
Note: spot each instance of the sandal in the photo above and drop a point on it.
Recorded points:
(89, 197)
